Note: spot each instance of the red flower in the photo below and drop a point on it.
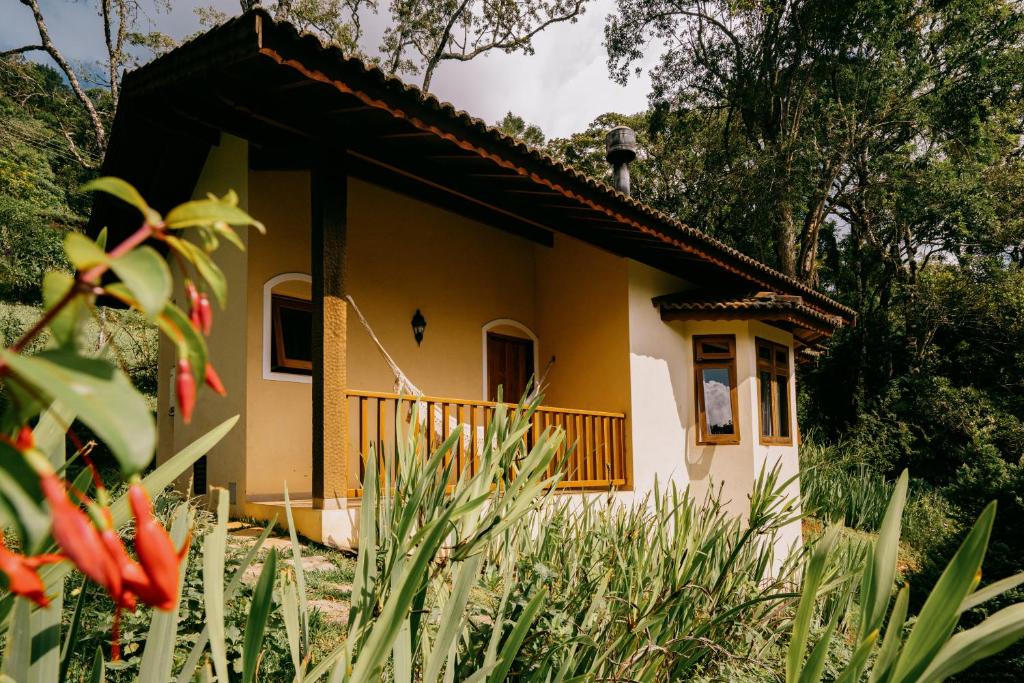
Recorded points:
(213, 380)
(78, 537)
(26, 439)
(129, 569)
(205, 314)
(186, 389)
(22, 575)
(193, 305)
(157, 556)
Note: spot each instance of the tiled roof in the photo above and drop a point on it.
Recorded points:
(404, 99)
(756, 304)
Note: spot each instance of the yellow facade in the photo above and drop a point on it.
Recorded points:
(600, 343)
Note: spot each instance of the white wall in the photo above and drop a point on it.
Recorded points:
(659, 375)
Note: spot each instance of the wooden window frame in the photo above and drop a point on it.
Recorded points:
(774, 370)
(284, 363)
(715, 361)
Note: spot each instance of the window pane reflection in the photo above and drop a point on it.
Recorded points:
(717, 401)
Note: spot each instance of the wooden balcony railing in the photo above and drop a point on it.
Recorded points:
(598, 460)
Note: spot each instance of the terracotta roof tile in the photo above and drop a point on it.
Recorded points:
(502, 143)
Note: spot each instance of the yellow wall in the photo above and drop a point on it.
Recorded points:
(225, 169)
(403, 255)
(461, 274)
(583, 322)
(280, 427)
(590, 310)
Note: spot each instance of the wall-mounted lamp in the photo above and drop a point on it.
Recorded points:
(419, 324)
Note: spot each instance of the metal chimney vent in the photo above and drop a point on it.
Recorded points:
(620, 149)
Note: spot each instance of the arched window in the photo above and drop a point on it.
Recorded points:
(288, 328)
(510, 352)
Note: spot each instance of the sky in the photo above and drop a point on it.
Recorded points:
(562, 87)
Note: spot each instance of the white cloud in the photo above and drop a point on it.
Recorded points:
(561, 88)
(717, 403)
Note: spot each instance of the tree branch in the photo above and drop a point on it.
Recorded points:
(21, 50)
(47, 44)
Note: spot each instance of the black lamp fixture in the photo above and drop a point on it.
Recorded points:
(419, 324)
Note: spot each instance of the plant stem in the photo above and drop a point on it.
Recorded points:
(83, 281)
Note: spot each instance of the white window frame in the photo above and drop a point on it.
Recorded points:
(268, 329)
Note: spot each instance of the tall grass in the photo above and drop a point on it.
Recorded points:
(838, 490)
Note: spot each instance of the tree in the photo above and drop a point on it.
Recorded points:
(514, 126)
(119, 21)
(424, 33)
(805, 92)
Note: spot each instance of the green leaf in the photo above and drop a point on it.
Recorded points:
(884, 558)
(300, 574)
(993, 590)
(209, 212)
(208, 269)
(256, 622)
(801, 623)
(199, 647)
(213, 586)
(147, 276)
(45, 629)
(67, 651)
(158, 655)
(99, 673)
(988, 638)
(66, 324)
(893, 637)
(937, 619)
(101, 239)
(126, 193)
(452, 617)
(515, 638)
(21, 499)
(290, 612)
(99, 394)
(18, 653)
(82, 252)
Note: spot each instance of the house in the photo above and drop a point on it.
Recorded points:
(477, 262)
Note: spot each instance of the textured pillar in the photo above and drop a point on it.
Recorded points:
(329, 195)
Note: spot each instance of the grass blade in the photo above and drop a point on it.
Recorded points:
(990, 637)
(99, 668)
(256, 622)
(941, 610)
(18, 655)
(213, 586)
(290, 613)
(189, 668)
(71, 637)
(515, 638)
(300, 575)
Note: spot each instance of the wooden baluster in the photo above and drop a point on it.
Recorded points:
(364, 430)
(592, 454)
(472, 439)
(606, 463)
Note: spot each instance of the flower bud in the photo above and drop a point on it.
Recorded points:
(26, 439)
(205, 314)
(157, 556)
(193, 305)
(213, 380)
(186, 389)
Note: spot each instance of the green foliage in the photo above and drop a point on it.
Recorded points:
(515, 127)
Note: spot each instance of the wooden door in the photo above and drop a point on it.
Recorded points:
(509, 366)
